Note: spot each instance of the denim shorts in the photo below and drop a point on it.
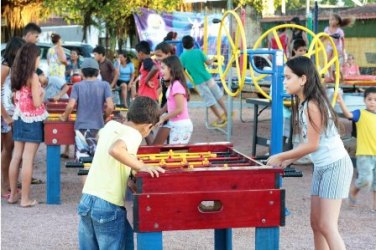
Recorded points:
(103, 225)
(366, 166)
(210, 92)
(28, 132)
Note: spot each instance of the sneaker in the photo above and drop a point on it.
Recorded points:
(224, 116)
(219, 124)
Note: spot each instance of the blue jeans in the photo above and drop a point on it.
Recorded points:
(103, 225)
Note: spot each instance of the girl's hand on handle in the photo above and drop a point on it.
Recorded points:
(162, 119)
(287, 163)
(275, 161)
(152, 170)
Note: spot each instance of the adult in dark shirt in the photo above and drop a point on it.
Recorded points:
(107, 70)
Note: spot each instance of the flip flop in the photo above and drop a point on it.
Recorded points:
(32, 204)
(5, 196)
(36, 181)
(65, 156)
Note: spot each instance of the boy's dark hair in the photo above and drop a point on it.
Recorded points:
(143, 110)
(89, 72)
(143, 47)
(55, 38)
(166, 48)
(295, 20)
(188, 42)
(31, 27)
(299, 43)
(368, 91)
(100, 50)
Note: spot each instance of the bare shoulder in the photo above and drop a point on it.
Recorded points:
(313, 106)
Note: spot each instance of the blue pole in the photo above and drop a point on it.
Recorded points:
(53, 174)
(316, 18)
(276, 142)
(268, 238)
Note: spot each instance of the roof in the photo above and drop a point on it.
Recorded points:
(364, 12)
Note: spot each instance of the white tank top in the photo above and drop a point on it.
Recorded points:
(331, 148)
(6, 96)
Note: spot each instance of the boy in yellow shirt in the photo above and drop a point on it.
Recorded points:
(365, 144)
(103, 217)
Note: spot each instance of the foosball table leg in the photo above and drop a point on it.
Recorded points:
(149, 241)
(267, 238)
(223, 239)
(53, 174)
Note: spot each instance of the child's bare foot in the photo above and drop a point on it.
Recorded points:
(31, 203)
(13, 199)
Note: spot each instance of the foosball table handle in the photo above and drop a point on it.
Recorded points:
(292, 172)
(74, 164)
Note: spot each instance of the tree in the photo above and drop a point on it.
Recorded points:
(115, 14)
(18, 13)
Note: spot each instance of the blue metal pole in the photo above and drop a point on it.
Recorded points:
(53, 174)
(316, 18)
(149, 241)
(268, 238)
(276, 142)
(223, 239)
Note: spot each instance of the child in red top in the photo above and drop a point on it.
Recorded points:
(28, 117)
(146, 88)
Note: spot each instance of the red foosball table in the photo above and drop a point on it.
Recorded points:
(207, 186)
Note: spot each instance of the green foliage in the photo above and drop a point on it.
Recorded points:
(115, 14)
(257, 4)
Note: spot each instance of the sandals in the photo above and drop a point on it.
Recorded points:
(36, 181)
(32, 204)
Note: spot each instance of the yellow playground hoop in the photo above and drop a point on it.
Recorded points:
(238, 50)
(316, 47)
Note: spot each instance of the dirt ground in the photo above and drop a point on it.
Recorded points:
(55, 226)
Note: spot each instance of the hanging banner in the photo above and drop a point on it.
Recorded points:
(153, 27)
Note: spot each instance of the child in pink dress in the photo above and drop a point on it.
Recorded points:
(177, 101)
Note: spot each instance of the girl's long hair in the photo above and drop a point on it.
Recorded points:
(24, 65)
(11, 49)
(344, 22)
(313, 90)
(177, 72)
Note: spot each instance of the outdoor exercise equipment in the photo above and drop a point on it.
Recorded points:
(317, 49)
(237, 52)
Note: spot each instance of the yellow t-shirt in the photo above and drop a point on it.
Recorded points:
(107, 178)
(366, 133)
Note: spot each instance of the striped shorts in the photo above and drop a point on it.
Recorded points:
(333, 181)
